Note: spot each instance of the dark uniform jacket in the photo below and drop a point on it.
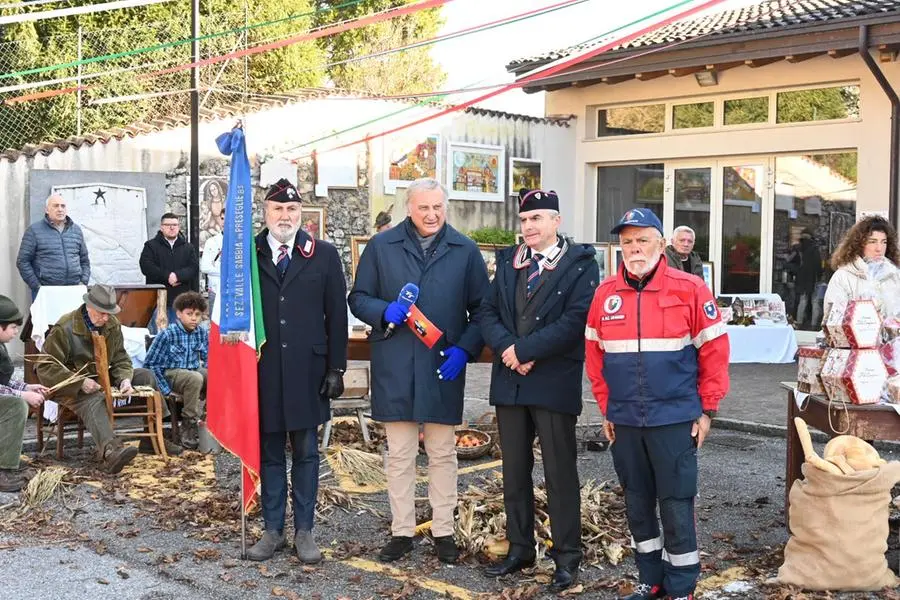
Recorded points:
(305, 317)
(452, 281)
(548, 328)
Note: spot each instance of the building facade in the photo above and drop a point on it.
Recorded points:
(750, 126)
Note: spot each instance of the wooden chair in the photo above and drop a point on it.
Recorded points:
(152, 411)
(63, 417)
(355, 397)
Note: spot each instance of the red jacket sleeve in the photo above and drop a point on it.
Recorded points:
(593, 350)
(710, 337)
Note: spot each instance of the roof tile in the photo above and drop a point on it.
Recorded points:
(767, 15)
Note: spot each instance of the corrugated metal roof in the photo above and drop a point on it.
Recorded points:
(763, 16)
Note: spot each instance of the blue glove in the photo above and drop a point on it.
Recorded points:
(395, 313)
(455, 363)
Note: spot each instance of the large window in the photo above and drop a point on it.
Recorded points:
(742, 111)
(689, 116)
(815, 205)
(631, 120)
(821, 104)
(621, 188)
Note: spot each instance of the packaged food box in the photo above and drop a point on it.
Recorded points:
(855, 324)
(855, 376)
(810, 360)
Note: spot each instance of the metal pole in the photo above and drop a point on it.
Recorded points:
(243, 519)
(78, 108)
(893, 185)
(194, 204)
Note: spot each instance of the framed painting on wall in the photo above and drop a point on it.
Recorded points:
(615, 258)
(408, 159)
(524, 173)
(357, 245)
(312, 221)
(475, 172)
(709, 276)
(489, 254)
(602, 257)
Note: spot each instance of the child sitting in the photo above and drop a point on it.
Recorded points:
(177, 357)
(15, 398)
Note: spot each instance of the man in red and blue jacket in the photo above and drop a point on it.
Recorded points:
(657, 357)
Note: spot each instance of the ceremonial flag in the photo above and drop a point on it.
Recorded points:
(237, 332)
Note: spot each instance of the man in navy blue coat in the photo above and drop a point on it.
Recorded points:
(412, 383)
(534, 320)
(301, 365)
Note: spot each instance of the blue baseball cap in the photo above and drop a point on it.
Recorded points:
(638, 217)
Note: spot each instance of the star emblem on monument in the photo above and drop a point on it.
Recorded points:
(99, 195)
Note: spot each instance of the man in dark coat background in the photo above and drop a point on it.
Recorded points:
(412, 383)
(301, 367)
(680, 253)
(168, 259)
(533, 319)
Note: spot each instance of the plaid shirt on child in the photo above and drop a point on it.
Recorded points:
(176, 348)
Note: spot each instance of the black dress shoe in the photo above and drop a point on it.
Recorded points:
(397, 548)
(563, 578)
(510, 565)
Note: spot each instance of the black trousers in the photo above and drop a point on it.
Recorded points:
(556, 431)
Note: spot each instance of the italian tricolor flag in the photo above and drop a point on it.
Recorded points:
(237, 333)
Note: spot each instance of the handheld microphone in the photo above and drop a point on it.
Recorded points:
(407, 297)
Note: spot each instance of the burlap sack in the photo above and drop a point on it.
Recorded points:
(839, 530)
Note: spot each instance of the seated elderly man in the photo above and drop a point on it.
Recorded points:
(71, 343)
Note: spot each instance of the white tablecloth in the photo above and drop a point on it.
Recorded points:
(52, 302)
(760, 344)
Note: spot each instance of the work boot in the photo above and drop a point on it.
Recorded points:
(645, 591)
(265, 548)
(397, 548)
(116, 456)
(445, 548)
(190, 435)
(11, 481)
(146, 447)
(306, 549)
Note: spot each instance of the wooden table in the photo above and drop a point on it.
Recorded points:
(869, 422)
(358, 348)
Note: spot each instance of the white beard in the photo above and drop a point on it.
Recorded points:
(650, 267)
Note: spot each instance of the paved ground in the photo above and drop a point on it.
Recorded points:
(103, 543)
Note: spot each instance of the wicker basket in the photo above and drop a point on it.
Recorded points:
(478, 451)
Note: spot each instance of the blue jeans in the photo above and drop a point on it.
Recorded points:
(304, 478)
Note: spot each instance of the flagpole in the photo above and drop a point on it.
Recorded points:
(243, 519)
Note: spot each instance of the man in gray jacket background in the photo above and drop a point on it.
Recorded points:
(53, 251)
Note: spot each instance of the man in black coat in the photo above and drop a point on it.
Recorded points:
(301, 366)
(169, 260)
(534, 321)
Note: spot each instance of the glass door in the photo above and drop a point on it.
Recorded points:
(692, 203)
(743, 256)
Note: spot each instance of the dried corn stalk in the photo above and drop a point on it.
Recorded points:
(481, 523)
(364, 468)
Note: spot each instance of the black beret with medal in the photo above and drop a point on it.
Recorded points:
(537, 200)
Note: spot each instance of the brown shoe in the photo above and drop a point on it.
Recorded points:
(190, 434)
(116, 456)
(11, 481)
(146, 447)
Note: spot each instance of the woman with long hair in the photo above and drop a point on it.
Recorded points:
(865, 266)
